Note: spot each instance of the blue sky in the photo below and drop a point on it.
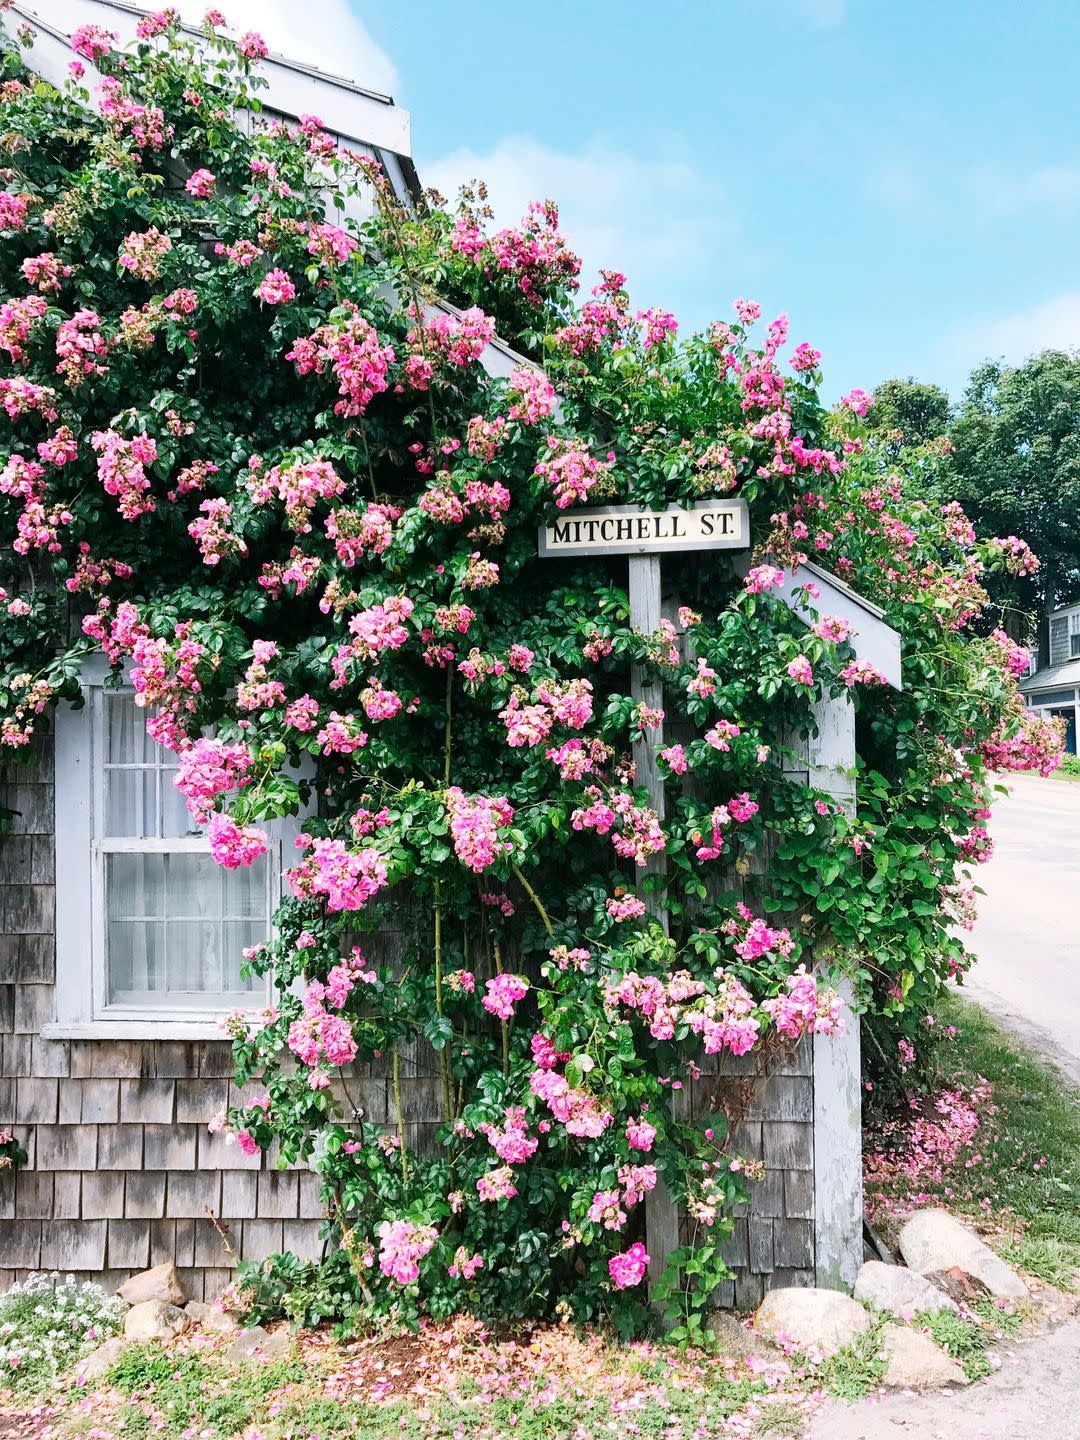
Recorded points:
(901, 176)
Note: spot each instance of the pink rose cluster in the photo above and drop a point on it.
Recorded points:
(318, 1035)
(299, 485)
(578, 1111)
(446, 340)
(628, 1269)
(347, 878)
(532, 395)
(512, 1142)
(209, 768)
(567, 703)
(502, 993)
(402, 1245)
(235, 846)
(475, 825)
(121, 470)
(635, 830)
(807, 1008)
(571, 471)
(353, 353)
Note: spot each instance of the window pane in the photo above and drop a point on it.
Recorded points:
(136, 961)
(176, 928)
(126, 740)
(131, 803)
(175, 816)
(135, 886)
(240, 935)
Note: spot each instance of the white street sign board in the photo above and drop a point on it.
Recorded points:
(636, 530)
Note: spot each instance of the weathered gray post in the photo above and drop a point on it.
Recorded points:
(644, 535)
(838, 1197)
(661, 1216)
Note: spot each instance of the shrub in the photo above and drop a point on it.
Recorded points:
(47, 1323)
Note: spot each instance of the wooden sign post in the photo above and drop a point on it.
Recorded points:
(644, 536)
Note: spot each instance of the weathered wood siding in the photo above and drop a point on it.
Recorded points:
(121, 1165)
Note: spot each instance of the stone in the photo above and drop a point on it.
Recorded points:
(898, 1290)
(155, 1320)
(211, 1317)
(914, 1362)
(809, 1317)
(933, 1240)
(100, 1361)
(161, 1283)
(736, 1342)
(255, 1343)
(958, 1284)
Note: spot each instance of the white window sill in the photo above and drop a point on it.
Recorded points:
(133, 1030)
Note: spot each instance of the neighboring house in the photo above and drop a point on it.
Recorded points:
(1053, 690)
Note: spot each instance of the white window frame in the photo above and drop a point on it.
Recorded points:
(82, 1011)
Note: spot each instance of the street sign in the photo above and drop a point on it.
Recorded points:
(637, 530)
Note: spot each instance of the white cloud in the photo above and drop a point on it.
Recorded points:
(325, 33)
(1052, 325)
(823, 14)
(657, 220)
(1054, 188)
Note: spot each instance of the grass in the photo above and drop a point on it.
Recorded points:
(1022, 1170)
(856, 1370)
(971, 1342)
(1032, 1150)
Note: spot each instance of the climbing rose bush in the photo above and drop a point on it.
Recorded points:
(259, 457)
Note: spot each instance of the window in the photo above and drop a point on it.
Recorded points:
(150, 932)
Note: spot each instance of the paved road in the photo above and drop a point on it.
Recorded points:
(1032, 1397)
(1027, 936)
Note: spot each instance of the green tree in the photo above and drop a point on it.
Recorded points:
(908, 413)
(1015, 468)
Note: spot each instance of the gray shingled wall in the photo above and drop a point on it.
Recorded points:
(772, 1244)
(122, 1168)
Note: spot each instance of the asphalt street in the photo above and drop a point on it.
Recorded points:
(1027, 936)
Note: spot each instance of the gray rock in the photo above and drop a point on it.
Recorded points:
(914, 1362)
(100, 1361)
(898, 1290)
(211, 1317)
(154, 1320)
(255, 1343)
(809, 1317)
(933, 1240)
(736, 1341)
(160, 1283)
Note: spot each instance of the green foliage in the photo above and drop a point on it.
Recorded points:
(47, 1323)
(184, 1390)
(1016, 466)
(907, 414)
(970, 1339)
(856, 1370)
